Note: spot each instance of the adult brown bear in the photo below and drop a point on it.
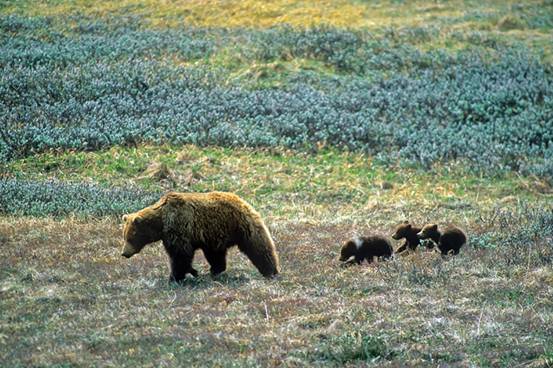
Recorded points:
(212, 222)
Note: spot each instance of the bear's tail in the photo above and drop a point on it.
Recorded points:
(259, 247)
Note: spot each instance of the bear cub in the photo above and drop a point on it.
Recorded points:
(408, 232)
(357, 249)
(450, 240)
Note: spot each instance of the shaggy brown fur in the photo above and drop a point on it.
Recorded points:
(212, 222)
(365, 248)
(408, 232)
(448, 241)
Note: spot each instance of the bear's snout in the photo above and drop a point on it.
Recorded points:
(128, 251)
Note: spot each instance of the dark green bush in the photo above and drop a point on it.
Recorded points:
(526, 232)
(111, 84)
(55, 198)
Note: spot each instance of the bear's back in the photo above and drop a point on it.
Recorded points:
(452, 238)
(376, 246)
(214, 217)
(202, 197)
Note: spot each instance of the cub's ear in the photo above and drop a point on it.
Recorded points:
(409, 226)
(434, 227)
(125, 218)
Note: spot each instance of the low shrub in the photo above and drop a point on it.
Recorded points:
(118, 86)
(56, 198)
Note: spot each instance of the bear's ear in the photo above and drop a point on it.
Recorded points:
(434, 227)
(408, 226)
(125, 218)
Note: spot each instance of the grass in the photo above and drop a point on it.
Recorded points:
(70, 299)
(258, 14)
(529, 22)
(67, 298)
(283, 184)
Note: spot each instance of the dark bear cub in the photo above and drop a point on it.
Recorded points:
(408, 232)
(448, 241)
(361, 248)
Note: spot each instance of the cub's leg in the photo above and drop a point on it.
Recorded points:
(402, 248)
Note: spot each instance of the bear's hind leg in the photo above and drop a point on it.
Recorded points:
(256, 243)
(217, 260)
(262, 256)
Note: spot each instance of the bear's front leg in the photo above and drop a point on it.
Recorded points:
(180, 258)
(403, 247)
(181, 266)
(349, 262)
(430, 244)
(216, 259)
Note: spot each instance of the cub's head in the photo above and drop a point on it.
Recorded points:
(348, 250)
(402, 230)
(429, 231)
(138, 230)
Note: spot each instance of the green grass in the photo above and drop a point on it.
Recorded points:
(71, 300)
(286, 184)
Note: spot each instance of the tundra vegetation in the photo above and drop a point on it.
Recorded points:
(333, 119)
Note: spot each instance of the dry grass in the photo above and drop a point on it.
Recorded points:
(68, 298)
(249, 13)
(497, 20)
(261, 14)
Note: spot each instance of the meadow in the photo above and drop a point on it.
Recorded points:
(332, 119)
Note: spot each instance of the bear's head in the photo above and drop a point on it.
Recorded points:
(348, 250)
(139, 229)
(429, 231)
(402, 230)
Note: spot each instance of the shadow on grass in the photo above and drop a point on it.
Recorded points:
(206, 281)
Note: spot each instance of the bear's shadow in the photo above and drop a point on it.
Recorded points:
(206, 281)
